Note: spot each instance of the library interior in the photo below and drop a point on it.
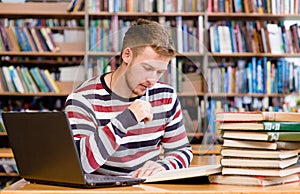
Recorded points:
(235, 74)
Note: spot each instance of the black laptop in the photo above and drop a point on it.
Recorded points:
(45, 151)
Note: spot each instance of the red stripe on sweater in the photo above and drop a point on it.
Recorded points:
(89, 154)
(173, 164)
(160, 102)
(77, 115)
(179, 158)
(174, 138)
(130, 157)
(147, 130)
(90, 87)
(110, 136)
(177, 114)
(100, 108)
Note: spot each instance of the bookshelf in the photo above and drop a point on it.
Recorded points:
(167, 12)
(37, 15)
(280, 93)
(206, 101)
(53, 15)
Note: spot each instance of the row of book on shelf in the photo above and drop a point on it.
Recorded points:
(146, 6)
(106, 34)
(76, 5)
(224, 37)
(254, 36)
(255, 75)
(254, 6)
(228, 6)
(15, 38)
(181, 73)
(24, 79)
(8, 165)
(259, 148)
(45, 22)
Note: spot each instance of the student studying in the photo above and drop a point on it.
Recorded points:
(121, 120)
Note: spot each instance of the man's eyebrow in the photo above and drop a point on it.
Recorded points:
(151, 66)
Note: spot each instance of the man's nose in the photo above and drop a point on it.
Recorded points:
(152, 77)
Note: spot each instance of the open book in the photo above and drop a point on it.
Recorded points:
(184, 173)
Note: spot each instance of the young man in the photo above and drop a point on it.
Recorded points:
(121, 120)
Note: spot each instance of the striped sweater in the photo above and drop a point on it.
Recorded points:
(111, 141)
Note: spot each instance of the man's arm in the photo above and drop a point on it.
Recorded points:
(96, 143)
(177, 150)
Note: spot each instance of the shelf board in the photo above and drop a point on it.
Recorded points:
(65, 88)
(33, 94)
(42, 54)
(248, 94)
(251, 16)
(182, 94)
(61, 28)
(3, 134)
(3, 174)
(38, 10)
(107, 53)
(270, 55)
(40, 63)
(148, 14)
(75, 49)
(6, 153)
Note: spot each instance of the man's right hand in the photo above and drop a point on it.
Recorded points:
(141, 110)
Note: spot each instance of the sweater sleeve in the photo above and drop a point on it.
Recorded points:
(96, 143)
(177, 150)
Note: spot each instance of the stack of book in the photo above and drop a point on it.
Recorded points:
(259, 148)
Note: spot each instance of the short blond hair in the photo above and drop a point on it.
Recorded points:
(148, 33)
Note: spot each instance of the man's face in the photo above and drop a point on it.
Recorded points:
(145, 70)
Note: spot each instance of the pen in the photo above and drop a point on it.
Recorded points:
(147, 94)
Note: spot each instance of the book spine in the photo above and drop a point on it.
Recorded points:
(283, 136)
(282, 126)
(51, 80)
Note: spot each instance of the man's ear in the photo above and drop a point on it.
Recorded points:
(127, 55)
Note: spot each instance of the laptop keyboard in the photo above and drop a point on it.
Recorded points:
(105, 178)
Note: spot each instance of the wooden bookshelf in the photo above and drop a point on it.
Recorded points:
(216, 16)
(67, 50)
(146, 14)
(249, 55)
(65, 87)
(37, 10)
(81, 50)
(6, 153)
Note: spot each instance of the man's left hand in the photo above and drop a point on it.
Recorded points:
(148, 169)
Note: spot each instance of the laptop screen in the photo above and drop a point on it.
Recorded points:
(43, 146)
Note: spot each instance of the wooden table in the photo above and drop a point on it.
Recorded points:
(22, 187)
